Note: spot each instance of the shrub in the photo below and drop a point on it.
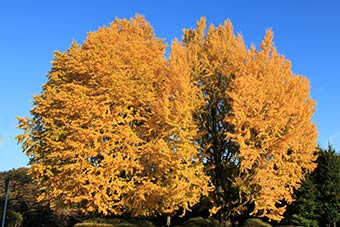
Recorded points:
(201, 222)
(255, 222)
(103, 220)
(15, 219)
(114, 222)
(87, 224)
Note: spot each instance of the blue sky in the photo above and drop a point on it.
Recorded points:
(306, 32)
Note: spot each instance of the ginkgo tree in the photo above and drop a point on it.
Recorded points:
(112, 130)
(121, 129)
(255, 129)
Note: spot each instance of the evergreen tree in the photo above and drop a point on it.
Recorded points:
(304, 210)
(327, 177)
(317, 201)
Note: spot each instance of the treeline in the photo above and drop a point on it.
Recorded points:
(23, 209)
(317, 203)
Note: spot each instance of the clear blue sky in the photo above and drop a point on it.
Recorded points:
(307, 32)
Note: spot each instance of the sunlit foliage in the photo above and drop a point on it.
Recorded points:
(112, 131)
(256, 132)
(120, 129)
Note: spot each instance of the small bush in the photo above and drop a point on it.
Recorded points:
(126, 225)
(288, 226)
(114, 222)
(103, 220)
(86, 224)
(201, 222)
(255, 222)
(14, 219)
(302, 221)
(134, 223)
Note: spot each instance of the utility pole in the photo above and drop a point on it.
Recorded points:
(168, 221)
(6, 199)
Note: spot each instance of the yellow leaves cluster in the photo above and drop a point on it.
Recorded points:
(112, 131)
(251, 99)
(271, 114)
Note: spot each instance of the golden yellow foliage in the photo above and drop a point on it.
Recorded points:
(256, 132)
(112, 131)
(120, 129)
(216, 57)
(271, 114)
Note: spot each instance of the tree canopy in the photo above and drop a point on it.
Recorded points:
(121, 129)
(255, 122)
(111, 131)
